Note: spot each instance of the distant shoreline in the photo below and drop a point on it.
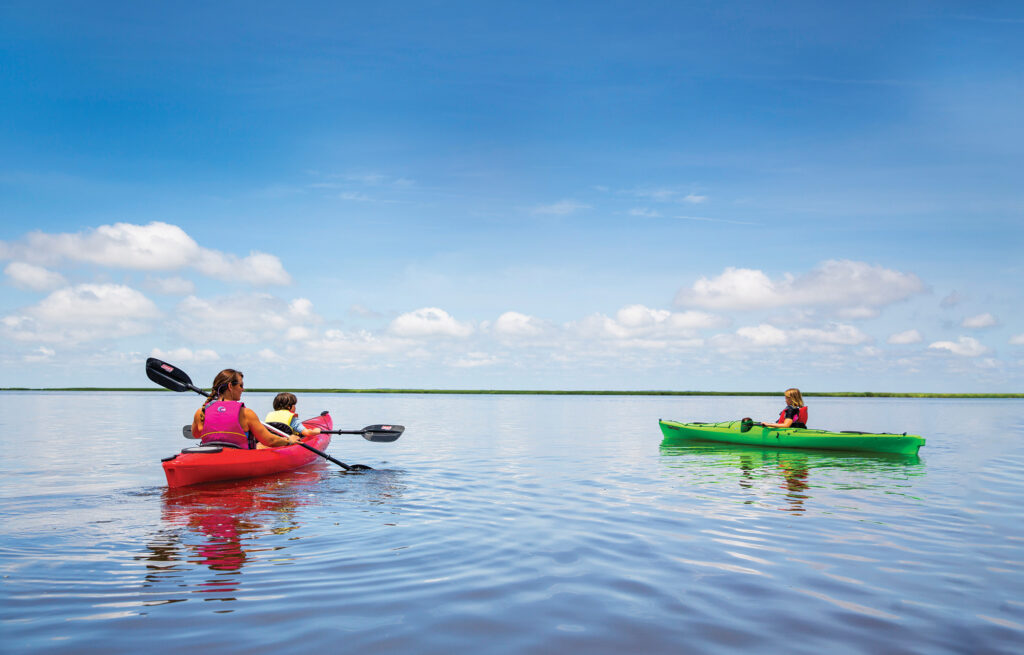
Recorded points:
(525, 392)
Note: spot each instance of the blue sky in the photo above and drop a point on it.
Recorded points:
(594, 195)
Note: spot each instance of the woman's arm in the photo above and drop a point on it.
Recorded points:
(197, 426)
(251, 422)
(785, 424)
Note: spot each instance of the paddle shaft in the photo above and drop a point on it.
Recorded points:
(325, 456)
(343, 465)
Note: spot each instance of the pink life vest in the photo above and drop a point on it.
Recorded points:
(801, 417)
(221, 425)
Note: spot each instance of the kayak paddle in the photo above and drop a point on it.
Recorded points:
(354, 467)
(175, 379)
(378, 433)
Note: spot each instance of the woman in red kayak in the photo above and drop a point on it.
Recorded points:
(795, 414)
(225, 420)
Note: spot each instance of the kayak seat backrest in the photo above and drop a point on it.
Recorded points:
(282, 427)
(201, 449)
(224, 444)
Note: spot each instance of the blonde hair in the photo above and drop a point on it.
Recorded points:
(793, 397)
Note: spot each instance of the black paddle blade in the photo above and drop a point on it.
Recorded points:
(168, 377)
(382, 433)
(746, 424)
(360, 467)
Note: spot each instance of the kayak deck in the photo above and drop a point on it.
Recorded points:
(235, 464)
(732, 432)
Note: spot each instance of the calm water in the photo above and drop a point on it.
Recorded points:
(514, 524)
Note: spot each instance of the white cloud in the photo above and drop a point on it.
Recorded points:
(356, 348)
(32, 277)
(156, 246)
(153, 247)
(40, 354)
(643, 323)
(905, 338)
(84, 312)
(736, 288)
(427, 322)
(856, 287)
(475, 359)
(302, 309)
(514, 324)
(857, 313)
(840, 335)
(764, 335)
(1017, 339)
(355, 196)
(644, 212)
(669, 194)
(185, 355)
(259, 268)
(951, 300)
(248, 318)
(964, 346)
(268, 355)
(364, 312)
(172, 286)
(299, 333)
(95, 304)
(560, 208)
(979, 321)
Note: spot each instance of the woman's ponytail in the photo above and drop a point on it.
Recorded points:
(220, 385)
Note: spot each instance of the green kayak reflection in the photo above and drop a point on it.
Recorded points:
(762, 474)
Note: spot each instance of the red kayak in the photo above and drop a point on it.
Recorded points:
(210, 464)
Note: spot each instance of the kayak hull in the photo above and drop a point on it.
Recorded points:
(187, 469)
(731, 432)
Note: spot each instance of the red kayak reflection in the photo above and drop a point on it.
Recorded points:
(230, 517)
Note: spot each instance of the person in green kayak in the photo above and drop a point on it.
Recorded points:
(795, 414)
(224, 420)
(284, 413)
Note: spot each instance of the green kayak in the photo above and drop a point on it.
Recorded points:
(758, 435)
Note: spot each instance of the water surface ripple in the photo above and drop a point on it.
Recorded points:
(516, 524)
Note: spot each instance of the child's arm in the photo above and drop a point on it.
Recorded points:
(306, 432)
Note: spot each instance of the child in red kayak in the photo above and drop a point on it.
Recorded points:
(284, 413)
(795, 414)
(224, 420)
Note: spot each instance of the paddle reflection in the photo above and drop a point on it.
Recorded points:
(762, 472)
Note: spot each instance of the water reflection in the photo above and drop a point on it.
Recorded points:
(219, 539)
(763, 473)
(220, 526)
